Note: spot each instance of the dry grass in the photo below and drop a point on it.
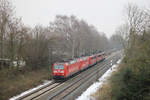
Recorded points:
(103, 93)
(11, 85)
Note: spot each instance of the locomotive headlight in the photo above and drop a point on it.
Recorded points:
(62, 71)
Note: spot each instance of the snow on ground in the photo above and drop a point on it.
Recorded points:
(30, 90)
(95, 86)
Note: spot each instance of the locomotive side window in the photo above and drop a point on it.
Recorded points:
(59, 66)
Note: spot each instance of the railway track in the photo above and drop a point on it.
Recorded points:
(52, 84)
(62, 94)
(58, 91)
(67, 91)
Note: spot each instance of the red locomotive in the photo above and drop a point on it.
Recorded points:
(65, 69)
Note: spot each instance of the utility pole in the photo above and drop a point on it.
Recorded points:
(73, 46)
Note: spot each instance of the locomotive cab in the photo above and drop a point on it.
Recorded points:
(59, 70)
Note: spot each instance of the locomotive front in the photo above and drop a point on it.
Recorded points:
(59, 71)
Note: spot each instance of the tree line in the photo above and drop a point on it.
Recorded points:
(66, 37)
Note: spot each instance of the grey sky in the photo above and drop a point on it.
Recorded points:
(105, 15)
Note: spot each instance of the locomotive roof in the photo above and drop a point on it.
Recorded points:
(83, 58)
(101, 53)
(68, 61)
(71, 61)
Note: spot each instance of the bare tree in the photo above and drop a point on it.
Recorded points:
(6, 13)
(68, 28)
(123, 32)
(137, 20)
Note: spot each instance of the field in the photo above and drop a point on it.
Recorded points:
(13, 83)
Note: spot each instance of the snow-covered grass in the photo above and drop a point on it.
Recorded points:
(86, 95)
(30, 90)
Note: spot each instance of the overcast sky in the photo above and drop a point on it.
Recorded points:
(105, 15)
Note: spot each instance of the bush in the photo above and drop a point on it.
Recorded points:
(132, 80)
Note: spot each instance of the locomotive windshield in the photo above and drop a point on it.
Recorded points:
(59, 66)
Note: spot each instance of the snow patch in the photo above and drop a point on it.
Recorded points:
(119, 61)
(86, 95)
(46, 82)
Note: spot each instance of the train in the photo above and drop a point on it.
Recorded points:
(65, 69)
